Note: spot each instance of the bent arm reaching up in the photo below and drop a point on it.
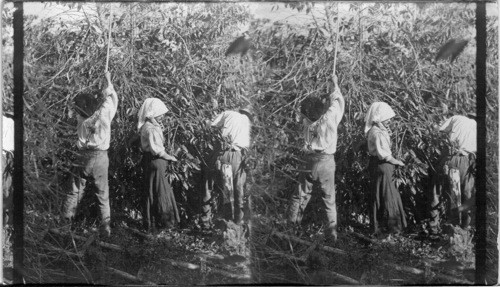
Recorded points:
(337, 102)
(110, 90)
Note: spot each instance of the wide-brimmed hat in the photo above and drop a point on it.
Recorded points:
(247, 110)
(472, 115)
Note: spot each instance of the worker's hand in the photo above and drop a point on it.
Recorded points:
(169, 157)
(435, 128)
(398, 162)
(395, 161)
(335, 80)
(208, 124)
(107, 74)
(306, 148)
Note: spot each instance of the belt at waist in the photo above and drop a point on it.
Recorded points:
(377, 160)
(151, 156)
(464, 153)
(90, 151)
(235, 149)
(320, 155)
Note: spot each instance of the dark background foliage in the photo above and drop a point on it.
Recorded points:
(385, 53)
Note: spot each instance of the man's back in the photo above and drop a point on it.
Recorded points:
(8, 133)
(235, 126)
(462, 131)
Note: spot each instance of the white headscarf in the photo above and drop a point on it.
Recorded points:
(377, 113)
(151, 108)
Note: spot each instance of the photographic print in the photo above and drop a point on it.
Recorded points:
(236, 143)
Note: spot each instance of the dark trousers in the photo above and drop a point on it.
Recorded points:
(232, 207)
(456, 173)
(91, 167)
(320, 173)
(7, 165)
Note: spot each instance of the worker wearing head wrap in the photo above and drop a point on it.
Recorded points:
(94, 134)
(456, 175)
(160, 207)
(320, 146)
(385, 203)
(225, 172)
(7, 165)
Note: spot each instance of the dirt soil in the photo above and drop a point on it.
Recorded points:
(247, 254)
(149, 258)
(368, 261)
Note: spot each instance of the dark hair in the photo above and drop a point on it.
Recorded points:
(8, 115)
(472, 115)
(314, 107)
(87, 103)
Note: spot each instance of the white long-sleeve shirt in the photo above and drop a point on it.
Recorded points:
(461, 131)
(322, 135)
(152, 139)
(95, 132)
(235, 127)
(379, 142)
(8, 134)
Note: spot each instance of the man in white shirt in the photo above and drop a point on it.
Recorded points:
(7, 165)
(462, 133)
(8, 132)
(456, 177)
(320, 134)
(234, 127)
(94, 116)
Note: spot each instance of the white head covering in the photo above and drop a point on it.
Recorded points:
(151, 108)
(377, 113)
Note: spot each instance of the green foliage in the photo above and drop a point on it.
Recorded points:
(172, 54)
(386, 53)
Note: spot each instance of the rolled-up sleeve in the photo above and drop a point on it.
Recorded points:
(446, 126)
(218, 122)
(337, 107)
(108, 110)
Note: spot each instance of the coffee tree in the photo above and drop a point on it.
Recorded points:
(174, 54)
(385, 53)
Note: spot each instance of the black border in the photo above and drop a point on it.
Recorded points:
(481, 144)
(18, 197)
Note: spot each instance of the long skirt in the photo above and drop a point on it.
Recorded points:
(160, 207)
(386, 205)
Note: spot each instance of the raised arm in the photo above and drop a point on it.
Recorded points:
(110, 90)
(337, 102)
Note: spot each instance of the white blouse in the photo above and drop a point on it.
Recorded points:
(379, 142)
